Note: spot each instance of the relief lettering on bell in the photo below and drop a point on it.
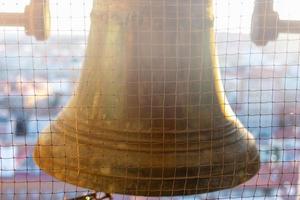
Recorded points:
(150, 116)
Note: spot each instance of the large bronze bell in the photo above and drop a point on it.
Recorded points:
(150, 116)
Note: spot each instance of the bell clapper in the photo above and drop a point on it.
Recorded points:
(94, 197)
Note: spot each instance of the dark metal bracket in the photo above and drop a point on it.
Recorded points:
(266, 24)
(35, 19)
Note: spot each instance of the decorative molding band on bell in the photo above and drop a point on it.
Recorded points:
(150, 116)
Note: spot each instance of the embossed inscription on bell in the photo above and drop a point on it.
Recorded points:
(150, 116)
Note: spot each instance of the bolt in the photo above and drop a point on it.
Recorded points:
(35, 19)
(266, 24)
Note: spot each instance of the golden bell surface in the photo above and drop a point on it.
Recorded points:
(149, 116)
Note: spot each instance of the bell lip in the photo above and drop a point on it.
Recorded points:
(240, 173)
(255, 167)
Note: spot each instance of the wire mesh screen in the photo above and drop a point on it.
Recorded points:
(149, 99)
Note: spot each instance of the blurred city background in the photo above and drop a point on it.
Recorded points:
(38, 78)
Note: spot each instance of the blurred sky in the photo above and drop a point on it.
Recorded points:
(73, 15)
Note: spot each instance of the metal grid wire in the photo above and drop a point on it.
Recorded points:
(38, 79)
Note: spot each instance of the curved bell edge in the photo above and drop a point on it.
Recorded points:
(210, 174)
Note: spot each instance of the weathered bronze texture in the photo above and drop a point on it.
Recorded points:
(149, 116)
